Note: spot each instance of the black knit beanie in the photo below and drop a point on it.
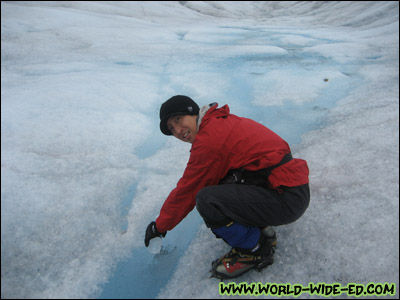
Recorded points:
(176, 105)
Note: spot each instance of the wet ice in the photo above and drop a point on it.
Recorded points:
(85, 168)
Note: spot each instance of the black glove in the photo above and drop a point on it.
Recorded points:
(151, 233)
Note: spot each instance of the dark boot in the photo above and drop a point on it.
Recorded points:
(270, 234)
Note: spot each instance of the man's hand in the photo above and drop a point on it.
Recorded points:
(151, 233)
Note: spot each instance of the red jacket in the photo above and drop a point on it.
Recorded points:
(224, 142)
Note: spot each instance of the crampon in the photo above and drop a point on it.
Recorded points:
(235, 264)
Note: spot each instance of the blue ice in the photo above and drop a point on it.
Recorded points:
(85, 167)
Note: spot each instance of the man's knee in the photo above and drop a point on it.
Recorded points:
(203, 200)
(209, 208)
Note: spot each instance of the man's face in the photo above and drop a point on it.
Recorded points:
(183, 127)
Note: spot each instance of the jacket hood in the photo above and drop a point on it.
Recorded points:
(211, 111)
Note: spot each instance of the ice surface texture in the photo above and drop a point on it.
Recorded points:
(85, 168)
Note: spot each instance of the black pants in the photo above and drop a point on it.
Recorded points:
(251, 205)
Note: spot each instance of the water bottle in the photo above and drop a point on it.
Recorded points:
(155, 245)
